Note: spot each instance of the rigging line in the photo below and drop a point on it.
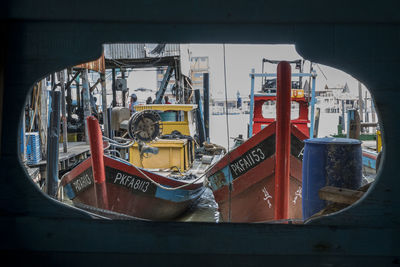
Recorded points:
(227, 133)
(321, 71)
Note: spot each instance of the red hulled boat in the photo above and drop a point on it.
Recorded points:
(245, 182)
(115, 188)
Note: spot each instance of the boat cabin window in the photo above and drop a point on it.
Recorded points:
(269, 109)
(166, 132)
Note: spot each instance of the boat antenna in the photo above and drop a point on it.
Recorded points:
(227, 137)
(262, 71)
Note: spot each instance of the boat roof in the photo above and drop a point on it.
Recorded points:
(264, 94)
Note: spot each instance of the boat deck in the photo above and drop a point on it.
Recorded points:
(77, 151)
(198, 168)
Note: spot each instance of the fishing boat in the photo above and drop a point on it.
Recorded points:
(163, 177)
(371, 156)
(244, 181)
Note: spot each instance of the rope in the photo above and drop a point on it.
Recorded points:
(176, 167)
(119, 145)
(145, 175)
(227, 133)
(114, 150)
(160, 185)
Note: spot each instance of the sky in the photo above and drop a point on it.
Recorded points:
(239, 60)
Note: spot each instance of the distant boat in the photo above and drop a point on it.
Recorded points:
(219, 110)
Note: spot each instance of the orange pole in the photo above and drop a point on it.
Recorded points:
(97, 154)
(282, 166)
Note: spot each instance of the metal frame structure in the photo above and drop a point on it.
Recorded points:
(253, 75)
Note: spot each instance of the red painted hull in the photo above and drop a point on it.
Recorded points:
(252, 198)
(135, 196)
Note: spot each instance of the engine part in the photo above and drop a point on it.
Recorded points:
(145, 126)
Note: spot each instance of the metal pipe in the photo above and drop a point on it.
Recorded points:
(69, 96)
(353, 122)
(97, 158)
(206, 94)
(110, 131)
(70, 81)
(123, 92)
(94, 85)
(114, 101)
(282, 166)
(63, 111)
(316, 124)
(251, 104)
(312, 105)
(373, 114)
(53, 82)
(104, 103)
(348, 123)
(86, 100)
(199, 116)
(343, 117)
(78, 93)
(53, 133)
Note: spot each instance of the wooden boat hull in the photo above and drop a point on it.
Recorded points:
(369, 160)
(129, 192)
(251, 168)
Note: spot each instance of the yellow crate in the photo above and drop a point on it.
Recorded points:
(171, 153)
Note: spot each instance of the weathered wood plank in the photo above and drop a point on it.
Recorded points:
(339, 195)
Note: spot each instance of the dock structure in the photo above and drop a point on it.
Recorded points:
(59, 136)
(81, 91)
(77, 152)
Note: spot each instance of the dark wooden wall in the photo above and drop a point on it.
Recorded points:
(39, 37)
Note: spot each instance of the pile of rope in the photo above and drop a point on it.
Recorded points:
(176, 135)
(213, 149)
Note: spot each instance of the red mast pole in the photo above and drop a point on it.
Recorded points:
(97, 153)
(282, 166)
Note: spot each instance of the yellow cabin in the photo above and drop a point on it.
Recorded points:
(173, 153)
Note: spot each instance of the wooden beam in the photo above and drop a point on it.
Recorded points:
(339, 195)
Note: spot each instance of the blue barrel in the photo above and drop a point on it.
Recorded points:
(329, 162)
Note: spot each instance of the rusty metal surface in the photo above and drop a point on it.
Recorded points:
(96, 65)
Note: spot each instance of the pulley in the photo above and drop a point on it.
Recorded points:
(144, 126)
